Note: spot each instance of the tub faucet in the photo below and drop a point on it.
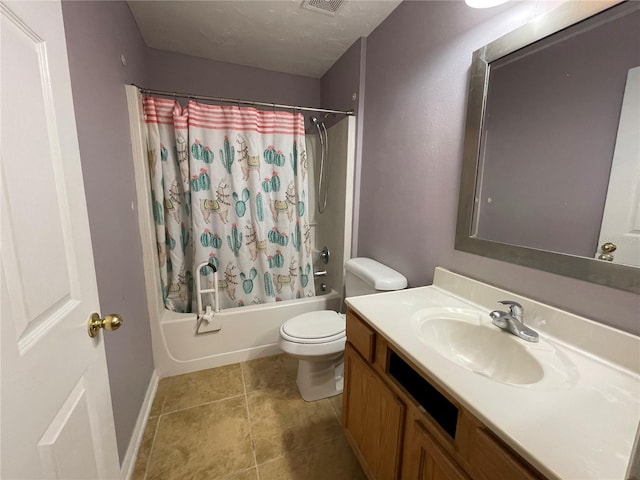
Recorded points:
(513, 322)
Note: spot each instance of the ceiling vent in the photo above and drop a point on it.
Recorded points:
(328, 7)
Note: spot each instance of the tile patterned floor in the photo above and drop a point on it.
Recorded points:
(243, 422)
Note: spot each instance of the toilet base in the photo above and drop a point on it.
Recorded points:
(320, 379)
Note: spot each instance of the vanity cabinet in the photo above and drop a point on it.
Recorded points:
(402, 425)
(373, 419)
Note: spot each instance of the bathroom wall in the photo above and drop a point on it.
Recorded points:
(345, 78)
(341, 82)
(183, 73)
(417, 73)
(97, 34)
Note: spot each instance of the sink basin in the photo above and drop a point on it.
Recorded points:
(467, 338)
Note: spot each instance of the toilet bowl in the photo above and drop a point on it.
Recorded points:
(317, 339)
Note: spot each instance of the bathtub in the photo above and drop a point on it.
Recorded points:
(247, 333)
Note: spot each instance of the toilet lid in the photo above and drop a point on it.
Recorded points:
(314, 327)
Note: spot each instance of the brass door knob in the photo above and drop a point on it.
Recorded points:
(109, 322)
(606, 256)
(608, 247)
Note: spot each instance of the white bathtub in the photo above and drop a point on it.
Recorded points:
(247, 332)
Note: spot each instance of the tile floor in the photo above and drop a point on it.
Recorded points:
(243, 422)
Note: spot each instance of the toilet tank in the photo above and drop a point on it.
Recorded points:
(364, 276)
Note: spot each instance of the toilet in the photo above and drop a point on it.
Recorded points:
(317, 339)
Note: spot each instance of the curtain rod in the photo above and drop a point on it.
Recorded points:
(243, 102)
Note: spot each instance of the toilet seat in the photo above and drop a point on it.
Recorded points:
(323, 326)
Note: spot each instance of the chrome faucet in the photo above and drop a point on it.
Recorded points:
(512, 322)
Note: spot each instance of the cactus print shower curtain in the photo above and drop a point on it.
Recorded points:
(229, 187)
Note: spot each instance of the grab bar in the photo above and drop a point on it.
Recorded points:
(214, 290)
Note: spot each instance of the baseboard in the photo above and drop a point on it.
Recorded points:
(126, 470)
(172, 368)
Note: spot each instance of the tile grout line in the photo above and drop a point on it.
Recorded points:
(301, 449)
(153, 444)
(335, 412)
(246, 403)
(200, 404)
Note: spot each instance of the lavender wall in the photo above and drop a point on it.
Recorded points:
(416, 87)
(341, 81)
(187, 74)
(575, 108)
(97, 33)
(345, 78)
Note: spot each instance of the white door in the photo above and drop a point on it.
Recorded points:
(621, 218)
(56, 419)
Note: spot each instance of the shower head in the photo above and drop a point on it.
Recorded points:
(317, 123)
(315, 120)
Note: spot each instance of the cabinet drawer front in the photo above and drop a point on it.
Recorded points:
(493, 461)
(361, 337)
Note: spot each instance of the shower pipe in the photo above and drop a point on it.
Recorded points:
(240, 102)
(323, 177)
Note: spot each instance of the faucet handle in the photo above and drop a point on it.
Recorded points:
(498, 318)
(515, 309)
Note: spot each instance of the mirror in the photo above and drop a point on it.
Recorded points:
(552, 133)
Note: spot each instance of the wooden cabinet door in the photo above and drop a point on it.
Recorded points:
(373, 418)
(425, 460)
(490, 459)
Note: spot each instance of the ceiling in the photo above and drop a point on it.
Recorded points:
(275, 35)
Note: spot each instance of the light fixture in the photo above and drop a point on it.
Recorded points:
(484, 3)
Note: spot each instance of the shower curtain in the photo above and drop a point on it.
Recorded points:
(229, 187)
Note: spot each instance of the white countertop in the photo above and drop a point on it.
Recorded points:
(580, 429)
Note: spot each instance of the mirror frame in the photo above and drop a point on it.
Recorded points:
(617, 276)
